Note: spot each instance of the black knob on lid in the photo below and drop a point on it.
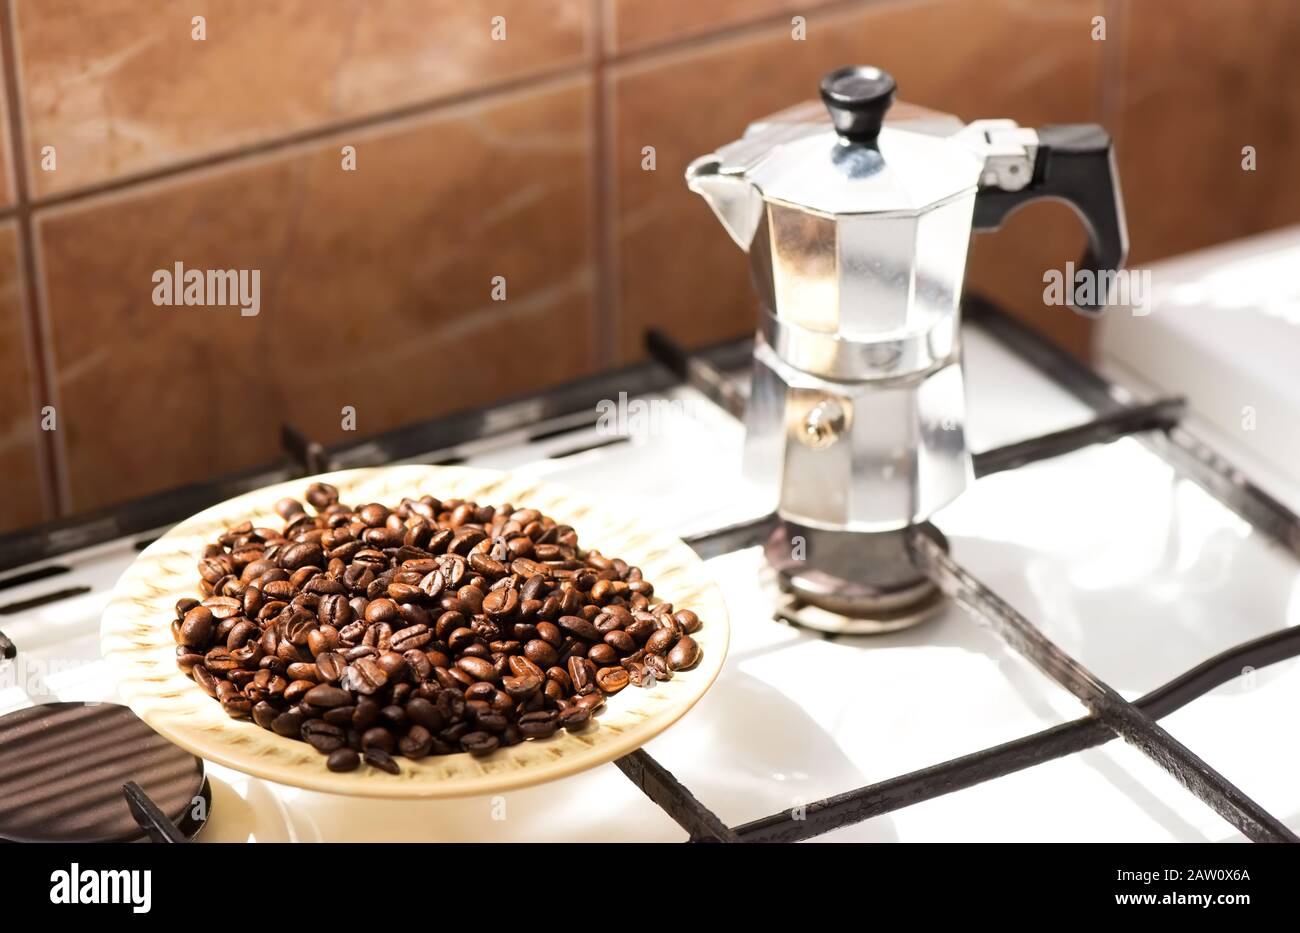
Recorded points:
(857, 97)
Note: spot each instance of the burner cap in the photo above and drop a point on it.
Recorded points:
(62, 767)
(853, 583)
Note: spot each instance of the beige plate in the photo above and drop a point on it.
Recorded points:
(136, 638)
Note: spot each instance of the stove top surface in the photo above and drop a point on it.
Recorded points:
(1128, 565)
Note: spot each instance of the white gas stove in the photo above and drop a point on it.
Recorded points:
(1128, 565)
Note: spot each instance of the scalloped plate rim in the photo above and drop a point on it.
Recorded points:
(512, 768)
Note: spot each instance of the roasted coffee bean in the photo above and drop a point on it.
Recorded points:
(640, 630)
(582, 673)
(501, 604)
(322, 639)
(620, 641)
(418, 663)
(461, 638)
(478, 668)
(220, 661)
(421, 712)
(561, 676)
(364, 676)
(197, 627)
(296, 624)
(249, 656)
(539, 724)
(403, 592)
(541, 653)
(575, 717)
(684, 655)
(343, 759)
(334, 610)
(413, 636)
(550, 633)
(470, 599)
(187, 659)
(445, 678)
(479, 743)
(521, 687)
(330, 665)
(638, 674)
(687, 620)
(298, 689)
(322, 736)
(661, 640)
(340, 716)
(521, 666)
(206, 680)
(381, 759)
(605, 623)
(535, 586)
(417, 742)
(322, 495)
(381, 610)
(223, 607)
(379, 737)
(366, 714)
(288, 724)
(325, 696)
(279, 590)
(236, 706)
(602, 655)
(580, 627)
(289, 508)
(264, 714)
(302, 554)
(465, 540)
(454, 570)
(392, 664)
(214, 569)
(658, 666)
(612, 679)
(303, 670)
(482, 564)
(492, 721)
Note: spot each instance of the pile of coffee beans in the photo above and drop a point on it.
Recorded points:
(426, 629)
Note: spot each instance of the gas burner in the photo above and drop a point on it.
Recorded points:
(63, 767)
(852, 583)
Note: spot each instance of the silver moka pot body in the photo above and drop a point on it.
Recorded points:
(857, 231)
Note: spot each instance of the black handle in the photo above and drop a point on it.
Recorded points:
(1075, 164)
(857, 97)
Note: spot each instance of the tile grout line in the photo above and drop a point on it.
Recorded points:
(747, 27)
(1108, 104)
(49, 443)
(1111, 104)
(608, 326)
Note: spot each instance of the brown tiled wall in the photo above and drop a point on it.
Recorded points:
(478, 158)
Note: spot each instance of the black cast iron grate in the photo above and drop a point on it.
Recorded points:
(1156, 424)
(1111, 715)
